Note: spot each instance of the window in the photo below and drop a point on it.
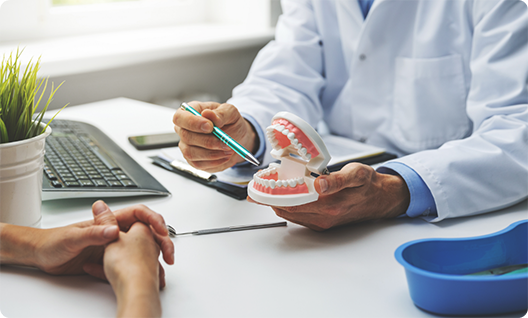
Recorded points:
(26, 20)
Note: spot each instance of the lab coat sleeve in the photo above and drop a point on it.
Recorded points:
(489, 169)
(286, 74)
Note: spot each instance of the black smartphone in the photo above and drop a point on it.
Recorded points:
(155, 141)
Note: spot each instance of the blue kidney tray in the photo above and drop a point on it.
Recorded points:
(437, 272)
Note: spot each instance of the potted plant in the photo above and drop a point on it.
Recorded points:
(22, 140)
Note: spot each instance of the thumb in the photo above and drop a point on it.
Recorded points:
(350, 176)
(102, 214)
(95, 235)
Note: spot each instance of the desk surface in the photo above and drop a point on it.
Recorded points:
(278, 272)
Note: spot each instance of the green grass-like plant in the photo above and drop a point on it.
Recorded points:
(18, 103)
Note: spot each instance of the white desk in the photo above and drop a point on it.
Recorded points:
(277, 272)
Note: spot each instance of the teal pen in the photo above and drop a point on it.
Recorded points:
(225, 138)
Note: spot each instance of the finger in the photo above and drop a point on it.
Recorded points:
(202, 140)
(225, 114)
(129, 215)
(166, 247)
(102, 214)
(97, 235)
(350, 176)
(202, 153)
(95, 270)
(161, 276)
(188, 121)
(309, 220)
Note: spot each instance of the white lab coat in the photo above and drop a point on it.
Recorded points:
(441, 83)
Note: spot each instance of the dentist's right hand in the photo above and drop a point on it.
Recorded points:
(200, 147)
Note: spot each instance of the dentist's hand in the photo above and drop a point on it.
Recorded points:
(200, 147)
(354, 194)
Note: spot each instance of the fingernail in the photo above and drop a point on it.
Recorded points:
(99, 207)
(110, 231)
(206, 127)
(323, 185)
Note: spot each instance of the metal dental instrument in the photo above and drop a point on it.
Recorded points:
(172, 231)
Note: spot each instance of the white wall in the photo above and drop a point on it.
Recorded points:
(215, 73)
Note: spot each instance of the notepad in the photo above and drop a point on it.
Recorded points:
(344, 150)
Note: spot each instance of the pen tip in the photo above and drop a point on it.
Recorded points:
(253, 160)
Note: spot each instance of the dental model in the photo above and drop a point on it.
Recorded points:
(301, 151)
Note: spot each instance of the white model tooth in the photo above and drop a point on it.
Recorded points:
(300, 180)
(272, 184)
(265, 183)
(278, 183)
(295, 142)
(285, 132)
(279, 128)
(270, 128)
(291, 136)
(303, 151)
(266, 173)
(292, 183)
(298, 146)
(309, 157)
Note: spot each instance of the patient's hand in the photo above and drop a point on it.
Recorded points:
(78, 248)
(131, 266)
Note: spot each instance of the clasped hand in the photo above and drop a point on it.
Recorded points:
(79, 248)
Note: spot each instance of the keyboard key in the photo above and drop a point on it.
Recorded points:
(115, 183)
(129, 183)
(56, 184)
(100, 183)
(72, 184)
(86, 183)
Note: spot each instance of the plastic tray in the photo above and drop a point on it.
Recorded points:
(437, 270)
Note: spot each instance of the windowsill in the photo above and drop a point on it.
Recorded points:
(88, 53)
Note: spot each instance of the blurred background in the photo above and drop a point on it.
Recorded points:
(158, 51)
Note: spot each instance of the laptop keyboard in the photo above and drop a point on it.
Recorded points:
(73, 160)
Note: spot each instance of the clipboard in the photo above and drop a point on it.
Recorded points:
(240, 192)
(236, 192)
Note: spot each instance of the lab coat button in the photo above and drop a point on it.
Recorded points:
(362, 57)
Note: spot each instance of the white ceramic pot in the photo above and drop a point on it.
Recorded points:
(21, 165)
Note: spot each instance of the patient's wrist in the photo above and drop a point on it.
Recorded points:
(17, 245)
(138, 297)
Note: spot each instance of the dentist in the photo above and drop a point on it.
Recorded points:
(441, 83)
